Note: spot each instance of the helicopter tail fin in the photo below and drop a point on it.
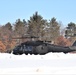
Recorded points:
(74, 44)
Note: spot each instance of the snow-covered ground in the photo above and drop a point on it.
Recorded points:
(49, 64)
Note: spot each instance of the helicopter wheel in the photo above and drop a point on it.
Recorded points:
(35, 53)
(30, 53)
(26, 53)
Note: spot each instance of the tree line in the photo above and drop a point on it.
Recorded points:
(36, 26)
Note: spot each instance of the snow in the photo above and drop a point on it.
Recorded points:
(51, 63)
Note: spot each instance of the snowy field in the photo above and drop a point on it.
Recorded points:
(49, 64)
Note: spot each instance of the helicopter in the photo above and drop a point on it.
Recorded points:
(40, 47)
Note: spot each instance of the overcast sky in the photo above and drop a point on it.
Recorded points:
(63, 10)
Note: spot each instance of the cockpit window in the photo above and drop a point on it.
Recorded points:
(23, 48)
(17, 47)
(27, 48)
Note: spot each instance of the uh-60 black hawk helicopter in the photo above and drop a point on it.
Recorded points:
(40, 47)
